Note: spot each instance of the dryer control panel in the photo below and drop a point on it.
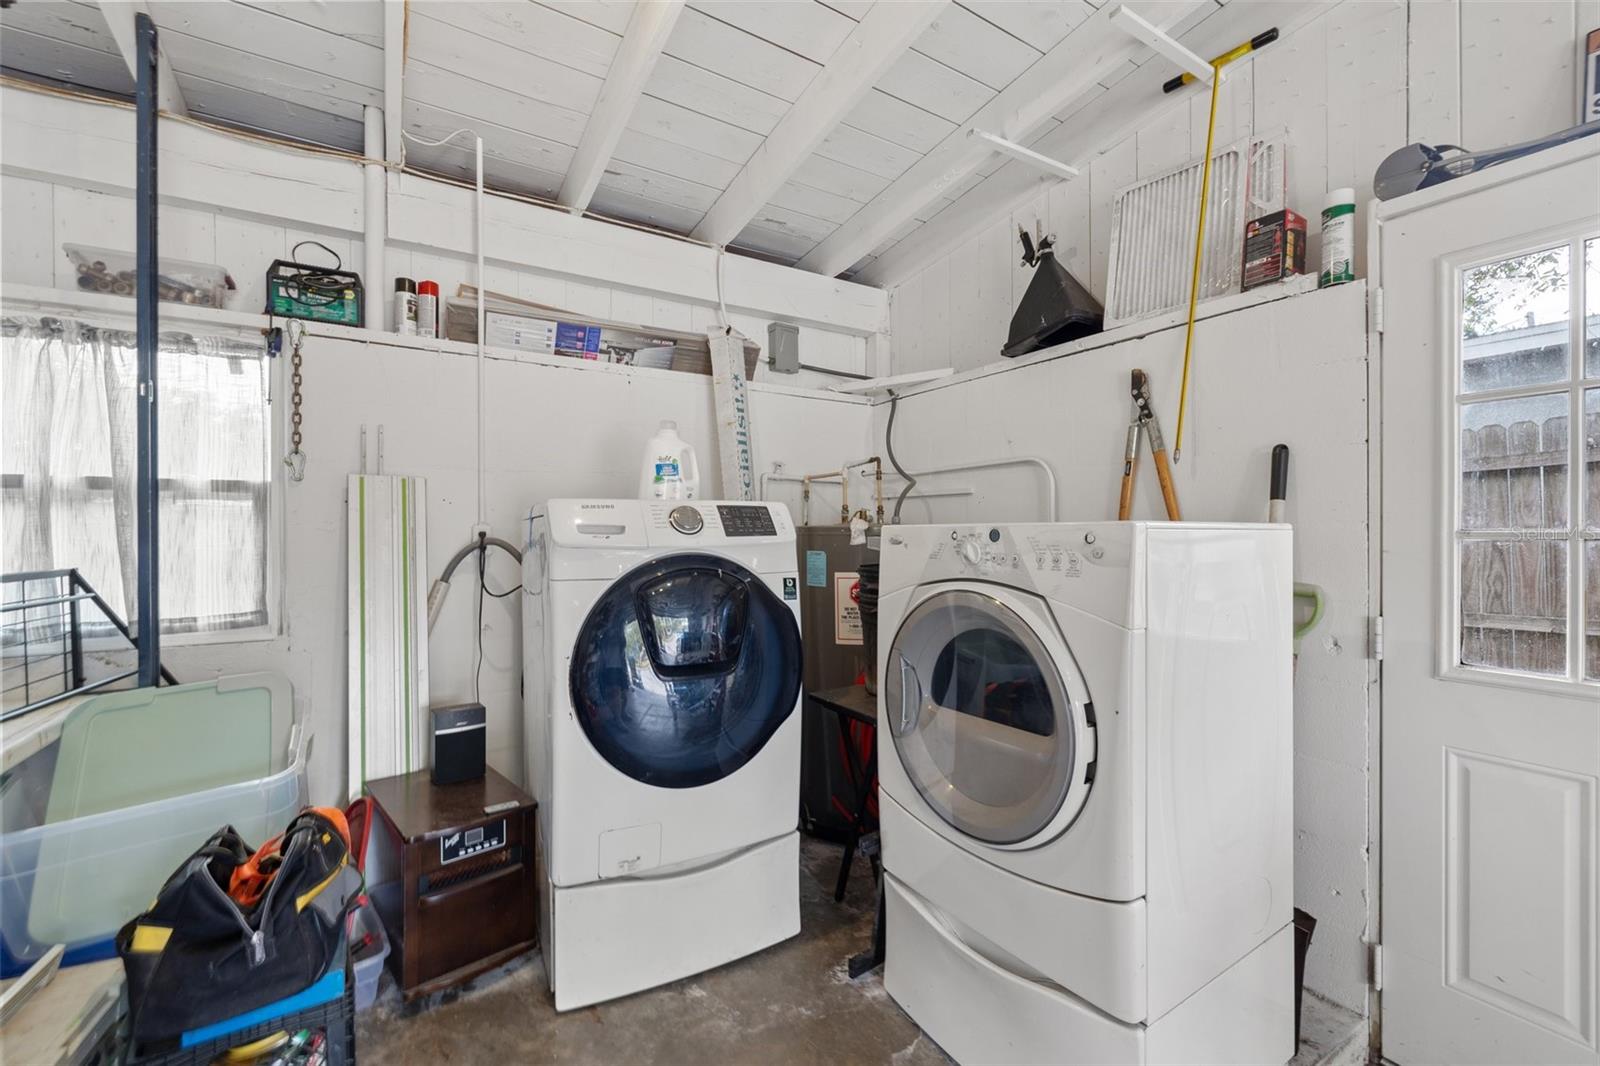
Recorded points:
(1084, 563)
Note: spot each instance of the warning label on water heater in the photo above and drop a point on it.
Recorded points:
(847, 608)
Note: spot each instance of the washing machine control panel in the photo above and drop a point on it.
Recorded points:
(686, 520)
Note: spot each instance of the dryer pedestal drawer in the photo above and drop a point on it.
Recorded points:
(1093, 946)
(978, 1011)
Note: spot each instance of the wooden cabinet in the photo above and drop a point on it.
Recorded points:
(451, 871)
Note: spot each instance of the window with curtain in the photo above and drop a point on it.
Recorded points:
(67, 455)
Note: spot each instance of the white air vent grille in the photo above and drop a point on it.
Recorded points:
(1152, 230)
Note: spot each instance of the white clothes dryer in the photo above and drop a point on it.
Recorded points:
(662, 665)
(1087, 811)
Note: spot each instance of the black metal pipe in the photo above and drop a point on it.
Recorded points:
(18, 712)
(121, 627)
(145, 245)
(75, 654)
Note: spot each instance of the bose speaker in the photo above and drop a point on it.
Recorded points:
(458, 742)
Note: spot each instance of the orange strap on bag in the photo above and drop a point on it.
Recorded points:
(249, 881)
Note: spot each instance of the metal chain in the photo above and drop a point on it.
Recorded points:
(296, 459)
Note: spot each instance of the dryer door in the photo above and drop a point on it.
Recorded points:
(989, 715)
(684, 669)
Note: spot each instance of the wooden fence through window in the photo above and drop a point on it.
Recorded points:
(1514, 590)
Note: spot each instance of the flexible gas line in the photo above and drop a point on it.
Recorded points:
(1260, 40)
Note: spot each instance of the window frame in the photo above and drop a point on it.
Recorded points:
(1454, 400)
(275, 524)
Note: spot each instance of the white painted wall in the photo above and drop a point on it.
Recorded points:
(1292, 371)
(554, 429)
(66, 176)
(1352, 85)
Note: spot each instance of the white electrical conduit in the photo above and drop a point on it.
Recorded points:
(1051, 514)
(375, 218)
(797, 479)
(722, 305)
(483, 519)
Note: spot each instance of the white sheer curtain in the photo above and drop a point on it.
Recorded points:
(67, 453)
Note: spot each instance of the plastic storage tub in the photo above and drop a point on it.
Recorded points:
(103, 270)
(367, 963)
(76, 882)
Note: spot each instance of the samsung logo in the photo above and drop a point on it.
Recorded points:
(597, 507)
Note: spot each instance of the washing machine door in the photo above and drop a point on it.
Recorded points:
(684, 669)
(989, 714)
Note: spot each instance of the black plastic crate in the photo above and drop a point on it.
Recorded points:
(336, 1018)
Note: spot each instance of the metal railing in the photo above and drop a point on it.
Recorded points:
(42, 635)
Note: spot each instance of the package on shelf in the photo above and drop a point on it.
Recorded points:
(526, 326)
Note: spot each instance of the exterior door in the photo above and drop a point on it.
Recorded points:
(684, 670)
(1490, 289)
(989, 717)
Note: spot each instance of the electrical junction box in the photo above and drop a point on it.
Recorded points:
(783, 347)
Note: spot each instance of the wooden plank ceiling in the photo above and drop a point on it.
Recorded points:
(526, 76)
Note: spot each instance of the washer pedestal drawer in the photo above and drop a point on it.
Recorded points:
(613, 938)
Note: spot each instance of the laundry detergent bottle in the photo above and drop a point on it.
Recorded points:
(670, 470)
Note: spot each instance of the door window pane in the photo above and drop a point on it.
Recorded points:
(1591, 599)
(1514, 604)
(1514, 463)
(1589, 441)
(1591, 310)
(1514, 322)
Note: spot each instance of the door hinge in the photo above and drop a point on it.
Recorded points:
(1375, 310)
(1377, 966)
(1377, 637)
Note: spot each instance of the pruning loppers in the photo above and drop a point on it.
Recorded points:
(1144, 418)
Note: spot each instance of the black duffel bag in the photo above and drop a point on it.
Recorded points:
(233, 930)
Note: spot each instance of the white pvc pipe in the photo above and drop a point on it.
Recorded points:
(987, 464)
(375, 219)
(483, 515)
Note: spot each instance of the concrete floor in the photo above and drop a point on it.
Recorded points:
(793, 1003)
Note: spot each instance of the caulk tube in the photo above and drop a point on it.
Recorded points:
(1278, 500)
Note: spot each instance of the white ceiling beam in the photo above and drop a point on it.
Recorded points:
(119, 15)
(1026, 155)
(1130, 105)
(1087, 55)
(648, 29)
(394, 72)
(1141, 30)
(877, 41)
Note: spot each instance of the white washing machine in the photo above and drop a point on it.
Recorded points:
(1087, 812)
(661, 657)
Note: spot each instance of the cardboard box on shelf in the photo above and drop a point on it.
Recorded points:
(525, 326)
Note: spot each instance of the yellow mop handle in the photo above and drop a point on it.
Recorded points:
(1199, 248)
(1260, 40)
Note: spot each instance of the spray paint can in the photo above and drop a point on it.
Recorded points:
(405, 307)
(1338, 238)
(427, 308)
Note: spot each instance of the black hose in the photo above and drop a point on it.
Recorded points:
(888, 447)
